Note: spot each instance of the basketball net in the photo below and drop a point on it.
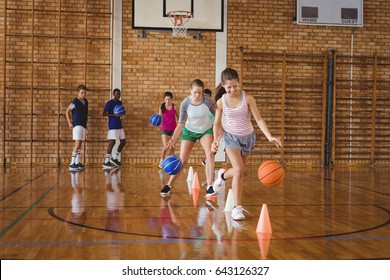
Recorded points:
(180, 21)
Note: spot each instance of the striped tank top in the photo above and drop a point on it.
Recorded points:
(238, 120)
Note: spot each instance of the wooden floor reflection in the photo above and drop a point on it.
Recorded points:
(316, 214)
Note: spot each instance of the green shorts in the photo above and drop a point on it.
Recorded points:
(192, 136)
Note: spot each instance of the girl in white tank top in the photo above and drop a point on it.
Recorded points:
(238, 134)
(238, 120)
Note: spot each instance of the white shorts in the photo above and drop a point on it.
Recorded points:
(116, 134)
(79, 132)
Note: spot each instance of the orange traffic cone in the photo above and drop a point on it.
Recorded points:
(212, 198)
(195, 196)
(195, 181)
(264, 240)
(264, 224)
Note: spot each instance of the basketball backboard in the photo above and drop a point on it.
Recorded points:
(152, 14)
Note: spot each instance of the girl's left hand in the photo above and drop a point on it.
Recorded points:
(171, 144)
(276, 141)
(215, 144)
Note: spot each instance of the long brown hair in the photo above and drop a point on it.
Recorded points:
(229, 74)
(219, 91)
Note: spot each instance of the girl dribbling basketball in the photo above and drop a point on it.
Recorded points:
(194, 123)
(238, 133)
(169, 114)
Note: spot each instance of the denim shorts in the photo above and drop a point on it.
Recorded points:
(243, 143)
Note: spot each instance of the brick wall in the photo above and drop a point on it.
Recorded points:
(37, 92)
(2, 59)
(151, 66)
(51, 48)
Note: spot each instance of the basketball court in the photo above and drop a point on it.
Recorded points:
(334, 200)
(315, 214)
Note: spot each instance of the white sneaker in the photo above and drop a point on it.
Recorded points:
(160, 165)
(237, 213)
(218, 181)
(238, 226)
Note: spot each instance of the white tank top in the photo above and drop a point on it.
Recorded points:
(238, 120)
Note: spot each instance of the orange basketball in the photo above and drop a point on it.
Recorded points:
(270, 173)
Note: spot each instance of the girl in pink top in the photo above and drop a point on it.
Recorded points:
(169, 114)
(238, 134)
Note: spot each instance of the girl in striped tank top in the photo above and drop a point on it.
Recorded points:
(238, 134)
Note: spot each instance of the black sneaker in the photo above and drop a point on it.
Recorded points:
(108, 165)
(210, 191)
(80, 166)
(165, 191)
(73, 167)
(115, 162)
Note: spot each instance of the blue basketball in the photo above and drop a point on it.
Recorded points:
(172, 165)
(119, 110)
(156, 120)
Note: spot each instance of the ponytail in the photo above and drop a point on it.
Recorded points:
(219, 91)
(163, 108)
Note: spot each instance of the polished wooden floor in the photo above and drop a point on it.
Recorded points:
(316, 214)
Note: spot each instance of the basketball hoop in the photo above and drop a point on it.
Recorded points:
(180, 21)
